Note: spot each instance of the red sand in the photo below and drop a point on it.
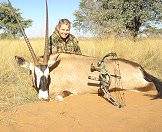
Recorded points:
(87, 113)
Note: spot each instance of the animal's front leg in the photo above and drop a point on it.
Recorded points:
(61, 95)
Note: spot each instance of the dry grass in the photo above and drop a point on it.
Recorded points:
(146, 52)
(15, 83)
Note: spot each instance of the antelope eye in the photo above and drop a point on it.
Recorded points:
(30, 72)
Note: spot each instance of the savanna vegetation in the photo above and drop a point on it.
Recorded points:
(8, 25)
(104, 17)
(120, 17)
(15, 82)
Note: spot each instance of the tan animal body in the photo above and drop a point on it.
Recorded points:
(72, 71)
(69, 73)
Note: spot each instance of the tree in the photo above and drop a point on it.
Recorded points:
(116, 16)
(8, 25)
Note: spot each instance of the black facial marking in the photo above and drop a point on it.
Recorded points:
(42, 67)
(44, 81)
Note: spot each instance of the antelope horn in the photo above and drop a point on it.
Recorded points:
(24, 35)
(46, 48)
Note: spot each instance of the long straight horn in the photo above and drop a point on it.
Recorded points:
(46, 48)
(24, 35)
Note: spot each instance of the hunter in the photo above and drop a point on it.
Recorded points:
(61, 41)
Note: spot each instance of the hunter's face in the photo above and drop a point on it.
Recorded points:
(64, 30)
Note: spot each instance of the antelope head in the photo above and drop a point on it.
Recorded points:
(39, 70)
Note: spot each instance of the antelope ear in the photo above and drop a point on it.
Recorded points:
(22, 62)
(54, 58)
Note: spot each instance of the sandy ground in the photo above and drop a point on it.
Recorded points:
(87, 113)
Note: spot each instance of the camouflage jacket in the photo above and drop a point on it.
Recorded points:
(59, 45)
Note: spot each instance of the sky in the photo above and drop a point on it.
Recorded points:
(35, 10)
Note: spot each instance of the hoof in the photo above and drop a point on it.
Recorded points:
(46, 100)
(59, 98)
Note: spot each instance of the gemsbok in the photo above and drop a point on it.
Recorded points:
(64, 74)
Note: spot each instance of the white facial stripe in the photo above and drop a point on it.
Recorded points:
(43, 94)
(39, 74)
(31, 67)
